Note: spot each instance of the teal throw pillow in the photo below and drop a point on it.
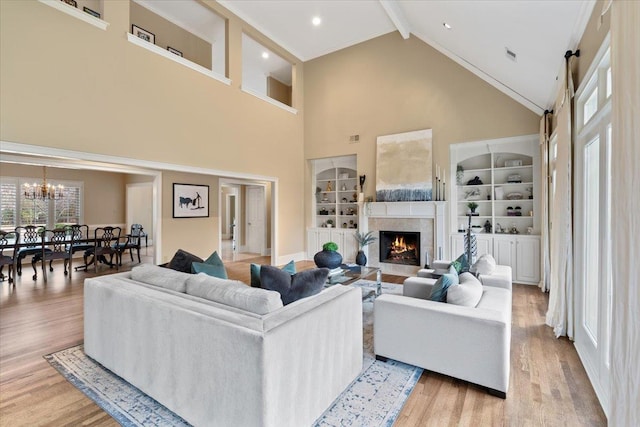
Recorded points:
(209, 269)
(439, 291)
(215, 261)
(461, 264)
(255, 273)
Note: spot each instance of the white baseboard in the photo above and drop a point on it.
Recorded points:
(298, 256)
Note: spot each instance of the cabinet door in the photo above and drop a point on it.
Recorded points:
(337, 236)
(457, 246)
(528, 260)
(504, 251)
(324, 236)
(484, 244)
(349, 248)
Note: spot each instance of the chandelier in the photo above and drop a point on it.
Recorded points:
(43, 191)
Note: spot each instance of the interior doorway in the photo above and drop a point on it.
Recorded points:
(245, 212)
(140, 210)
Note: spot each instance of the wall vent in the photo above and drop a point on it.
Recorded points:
(510, 54)
(354, 138)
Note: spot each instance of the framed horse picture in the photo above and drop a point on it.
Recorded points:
(190, 201)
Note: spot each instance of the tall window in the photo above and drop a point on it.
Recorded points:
(17, 210)
(592, 212)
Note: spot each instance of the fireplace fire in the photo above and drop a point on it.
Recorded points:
(400, 247)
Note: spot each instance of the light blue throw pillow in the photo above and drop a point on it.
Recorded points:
(255, 273)
(439, 291)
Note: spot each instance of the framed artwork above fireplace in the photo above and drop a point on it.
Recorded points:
(403, 167)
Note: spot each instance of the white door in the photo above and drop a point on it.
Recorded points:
(528, 259)
(256, 214)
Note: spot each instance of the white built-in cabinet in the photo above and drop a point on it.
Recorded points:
(347, 244)
(335, 206)
(507, 169)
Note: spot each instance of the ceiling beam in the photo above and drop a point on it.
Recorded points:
(396, 14)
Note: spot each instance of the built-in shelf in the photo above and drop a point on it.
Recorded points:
(175, 58)
(76, 13)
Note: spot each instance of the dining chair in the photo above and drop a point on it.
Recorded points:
(133, 242)
(80, 234)
(55, 245)
(104, 244)
(141, 233)
(9, 243)
(30, 244)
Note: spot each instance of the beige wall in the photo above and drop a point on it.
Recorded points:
(69, 85)
(192, 47)
(591, 41)
(196, 235)
(389, 85)
(104, 192)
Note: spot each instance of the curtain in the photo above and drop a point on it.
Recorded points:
(560, 315)
(625, 223)
(545, 132)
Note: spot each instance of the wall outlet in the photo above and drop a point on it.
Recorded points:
(354, 138)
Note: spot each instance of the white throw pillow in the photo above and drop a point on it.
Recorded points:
(160, 276)
(233, 293)
(467, 293)
(486, 264)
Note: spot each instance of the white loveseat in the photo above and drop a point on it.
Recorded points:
(469, 343)
(218, 365)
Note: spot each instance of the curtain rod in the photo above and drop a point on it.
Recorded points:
(568, 54)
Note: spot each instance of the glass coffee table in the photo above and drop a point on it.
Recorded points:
(349, 275)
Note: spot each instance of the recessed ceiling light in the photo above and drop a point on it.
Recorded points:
(316, 21)
(265, 55)
(447, 26)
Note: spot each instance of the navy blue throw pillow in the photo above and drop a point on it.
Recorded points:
(293, 287)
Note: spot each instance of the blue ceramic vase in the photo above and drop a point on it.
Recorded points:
(328, 259)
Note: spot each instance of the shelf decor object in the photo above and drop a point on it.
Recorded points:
(143, 34)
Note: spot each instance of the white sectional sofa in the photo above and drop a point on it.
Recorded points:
(469, 343)
(216, 364)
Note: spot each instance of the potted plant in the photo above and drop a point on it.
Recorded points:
(329, 223)
(472, 207)
(363, 240)
(328, 257)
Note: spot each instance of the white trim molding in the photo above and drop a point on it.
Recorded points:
(175, 58)
(76, 13)
(270, 100)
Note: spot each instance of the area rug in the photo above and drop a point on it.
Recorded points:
(374, 398)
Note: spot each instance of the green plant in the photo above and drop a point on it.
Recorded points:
(330, 246)
(364, 239)
(330, 221)
(472, 206)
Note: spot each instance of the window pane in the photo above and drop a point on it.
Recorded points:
(67, 209)
(591, 235)
(591, 106)
(609, 82)
(33, 212)
(8, 205)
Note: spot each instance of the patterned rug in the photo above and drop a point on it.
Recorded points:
(374, 398)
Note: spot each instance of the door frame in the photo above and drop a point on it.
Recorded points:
(128, 220)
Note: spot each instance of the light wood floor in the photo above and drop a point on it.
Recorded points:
(549, 387)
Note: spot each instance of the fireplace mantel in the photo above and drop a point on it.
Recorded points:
(435, 211)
